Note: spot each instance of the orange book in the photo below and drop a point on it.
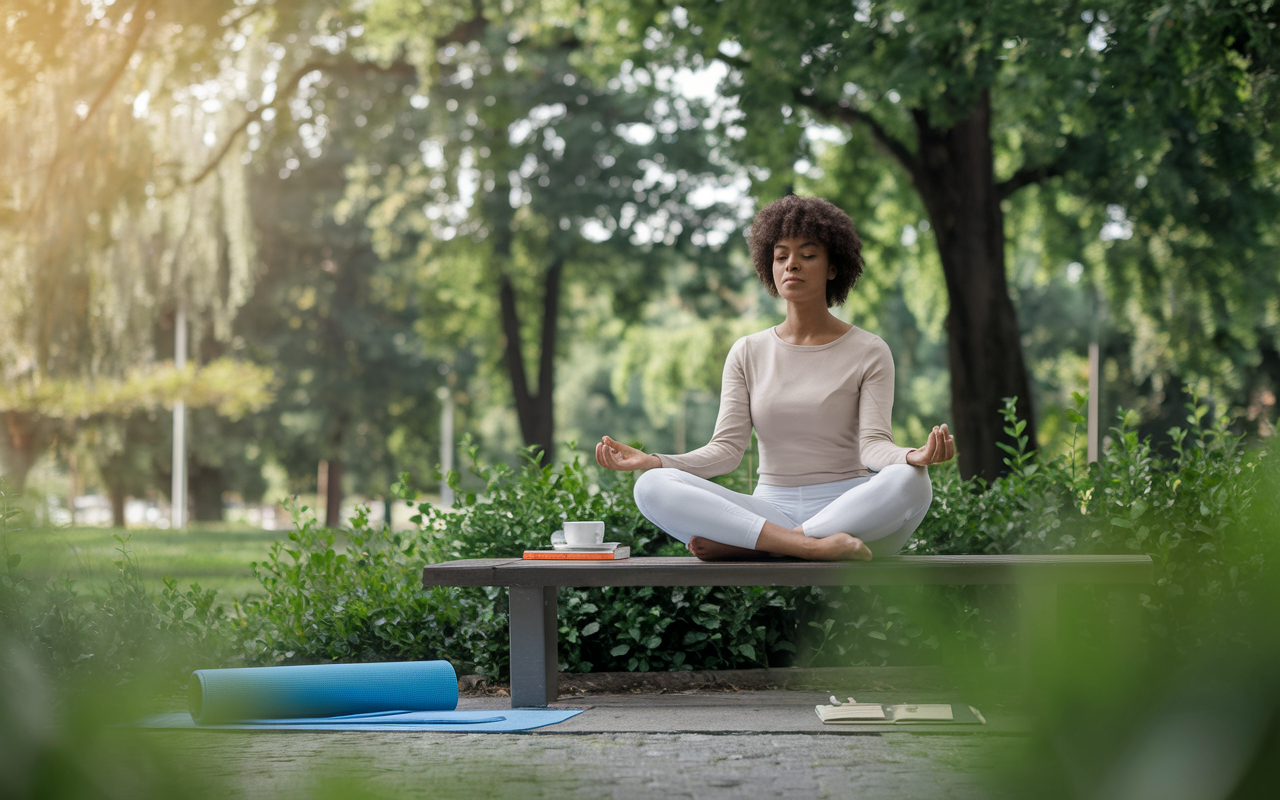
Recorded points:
(579, 555)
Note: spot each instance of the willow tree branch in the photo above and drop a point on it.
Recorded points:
(229, 21)
(137, 26)
(463, 32)
(283, 93)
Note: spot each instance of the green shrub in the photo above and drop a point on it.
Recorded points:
(362, 602)
(323, 602)
(1194, 507)
(1188, 508)
(366, 604)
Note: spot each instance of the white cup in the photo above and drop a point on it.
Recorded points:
(577, 534)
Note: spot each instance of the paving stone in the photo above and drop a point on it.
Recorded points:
(623, 764)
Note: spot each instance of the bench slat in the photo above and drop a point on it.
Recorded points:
(466, 572)
(896, 570)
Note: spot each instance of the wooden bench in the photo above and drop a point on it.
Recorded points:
(534, 584)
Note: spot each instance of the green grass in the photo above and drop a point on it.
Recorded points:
(214, 557)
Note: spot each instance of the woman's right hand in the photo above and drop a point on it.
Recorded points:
(615, 455)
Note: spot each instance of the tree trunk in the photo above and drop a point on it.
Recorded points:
(536, 412)
(954, 175)
(21, 440)
(118, 496)
(333, 495)
(206, 485)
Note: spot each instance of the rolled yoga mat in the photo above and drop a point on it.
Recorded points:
(323, 690)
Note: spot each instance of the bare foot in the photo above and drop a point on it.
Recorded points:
(792, 542)
(838, 547)
(707, 550)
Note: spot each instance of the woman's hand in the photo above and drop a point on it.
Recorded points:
(623, 457)
(940, 447)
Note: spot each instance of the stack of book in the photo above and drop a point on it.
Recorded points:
(609, 551)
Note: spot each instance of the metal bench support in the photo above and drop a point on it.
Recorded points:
(534, 627)
(534, 635)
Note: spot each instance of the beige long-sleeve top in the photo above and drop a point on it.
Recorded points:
(821, 413)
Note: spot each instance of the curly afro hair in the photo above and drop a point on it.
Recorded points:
(813, 218)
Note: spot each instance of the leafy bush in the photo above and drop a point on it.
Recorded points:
(362, 602)
(1188, 508)
(1184, 509)
(1192, 506)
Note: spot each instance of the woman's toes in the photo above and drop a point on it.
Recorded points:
(711, 550)
(700, 547)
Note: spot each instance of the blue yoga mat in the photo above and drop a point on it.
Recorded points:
(504, 721)
(324, 690)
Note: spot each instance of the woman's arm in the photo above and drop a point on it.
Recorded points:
(875, 412)
(721, 455)
(724, 452)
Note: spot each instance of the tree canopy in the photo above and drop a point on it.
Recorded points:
(538, 207)
(1148, 115)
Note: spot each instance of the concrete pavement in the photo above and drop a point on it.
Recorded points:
(681, 744)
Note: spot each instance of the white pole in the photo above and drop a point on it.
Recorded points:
(1095, 386)
(178, 493)
(446, 444)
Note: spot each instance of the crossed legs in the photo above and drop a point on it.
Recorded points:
(777, 540)
(874, 517)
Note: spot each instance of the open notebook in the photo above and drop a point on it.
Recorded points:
(852, 713)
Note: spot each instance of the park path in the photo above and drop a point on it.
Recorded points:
(622, 765)
(660, 746)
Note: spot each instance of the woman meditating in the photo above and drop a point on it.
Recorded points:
(819, 394)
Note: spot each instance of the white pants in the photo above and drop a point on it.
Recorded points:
(882, 510)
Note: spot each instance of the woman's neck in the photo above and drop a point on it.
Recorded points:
(811, 325)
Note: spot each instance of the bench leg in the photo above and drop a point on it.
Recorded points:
(534, 661)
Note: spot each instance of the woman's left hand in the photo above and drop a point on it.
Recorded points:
(940, 447)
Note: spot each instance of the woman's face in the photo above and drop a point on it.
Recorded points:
(801, 270)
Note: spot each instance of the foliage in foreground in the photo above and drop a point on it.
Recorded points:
(1189, 506)
(1192, 504)
(125, 630)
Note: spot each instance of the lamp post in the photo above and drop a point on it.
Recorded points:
(1095, 381)
(178, 491)
(446, 444)
(1094, 425)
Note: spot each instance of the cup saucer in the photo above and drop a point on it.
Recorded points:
(606, 546)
